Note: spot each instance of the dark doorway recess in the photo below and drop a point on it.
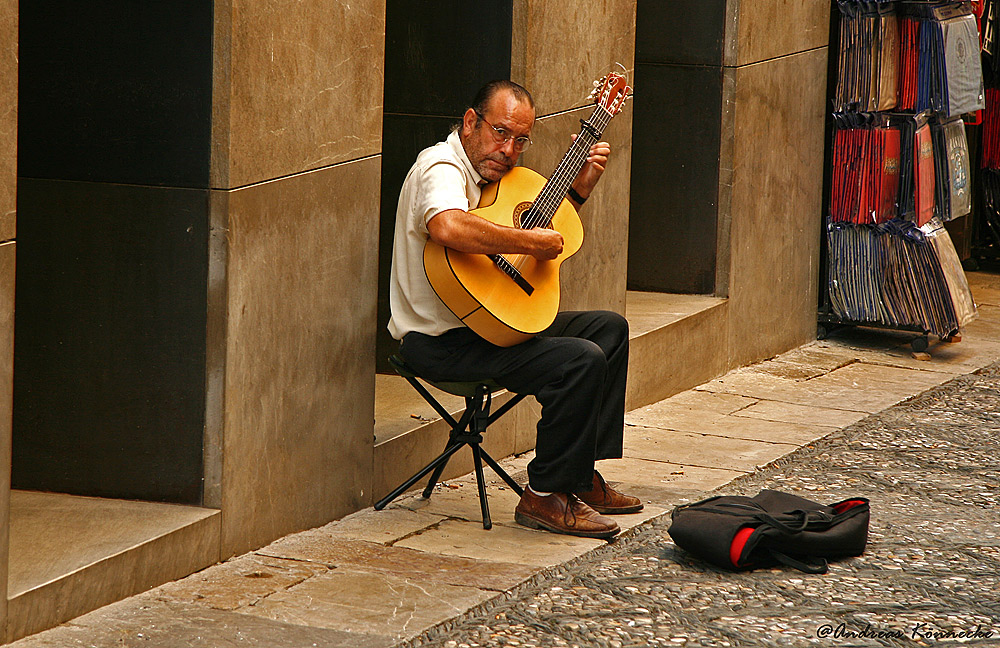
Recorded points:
(677, 117)
(114, 137)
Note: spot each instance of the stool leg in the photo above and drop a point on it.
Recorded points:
(442, 459)
(503, 473)
(481, 483)
(429, 490)
(472, 406)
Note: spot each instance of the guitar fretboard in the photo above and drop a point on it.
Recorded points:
(552, 194)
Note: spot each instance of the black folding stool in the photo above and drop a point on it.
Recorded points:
(466, 431)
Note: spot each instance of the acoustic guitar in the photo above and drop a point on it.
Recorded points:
(507, 299)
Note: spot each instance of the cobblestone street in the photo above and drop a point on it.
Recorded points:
(930, 575)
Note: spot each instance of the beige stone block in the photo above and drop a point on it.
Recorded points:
(708, 451)
(650, 311)
(7, 259)
(400, 561)
(511, 544)
(736, 427)
(692, 404)
(776, 124)
(593, 278)
(8, 119)
(677, 356)
(986, 327)
(768, 29)
(149, 621)
(954, 359)
(298, 87)
(859, 387)
(239, 582)
(662, 483)
(299, 368)
(70, 555)
(896, 380)
(385, 526)
(794, 368)
(559, 48)
(985, 287)
(459, 499)
(369, 602)
(805, 414)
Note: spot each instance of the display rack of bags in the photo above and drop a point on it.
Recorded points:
(900, 166)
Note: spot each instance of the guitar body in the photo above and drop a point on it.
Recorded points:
(485, 298)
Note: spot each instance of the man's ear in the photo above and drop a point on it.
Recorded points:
(469, 122)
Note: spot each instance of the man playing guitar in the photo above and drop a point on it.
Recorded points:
(575, 368)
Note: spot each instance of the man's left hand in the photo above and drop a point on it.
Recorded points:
(592, 169)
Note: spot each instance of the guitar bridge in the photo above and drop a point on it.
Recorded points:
(508, 269)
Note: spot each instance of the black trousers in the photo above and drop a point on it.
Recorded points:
(576, 369)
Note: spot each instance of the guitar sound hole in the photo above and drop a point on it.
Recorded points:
(523, 216)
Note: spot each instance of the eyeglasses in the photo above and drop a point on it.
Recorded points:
(501, 136)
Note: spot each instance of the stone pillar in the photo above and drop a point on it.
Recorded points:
(296, 141)
(558, 50)
(771, 172)
(726, 189)
(8, 211)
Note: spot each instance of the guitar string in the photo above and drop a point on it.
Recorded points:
(550, 198)
(552, 194)
(539, 213)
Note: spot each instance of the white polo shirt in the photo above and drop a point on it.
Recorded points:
(442, 178)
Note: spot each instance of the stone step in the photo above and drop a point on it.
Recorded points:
(72, 554)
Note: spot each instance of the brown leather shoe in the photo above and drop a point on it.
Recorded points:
(604, 499)
(562, 513)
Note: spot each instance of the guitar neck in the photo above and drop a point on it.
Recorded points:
(552, 194)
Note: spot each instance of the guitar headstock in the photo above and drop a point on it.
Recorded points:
(610, 92)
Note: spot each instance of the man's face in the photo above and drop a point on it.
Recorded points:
(492, 158)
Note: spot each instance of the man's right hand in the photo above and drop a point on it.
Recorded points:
(549, 243)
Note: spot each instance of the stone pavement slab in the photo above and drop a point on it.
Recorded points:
(815, 415)
(859, 386)
(388, 526)
(368, 602)
(400, 561)
(700, 449)
(147, 621)
(242, 581)
(659, 481)
(502, 543)
(460, 499)
(736, 426)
